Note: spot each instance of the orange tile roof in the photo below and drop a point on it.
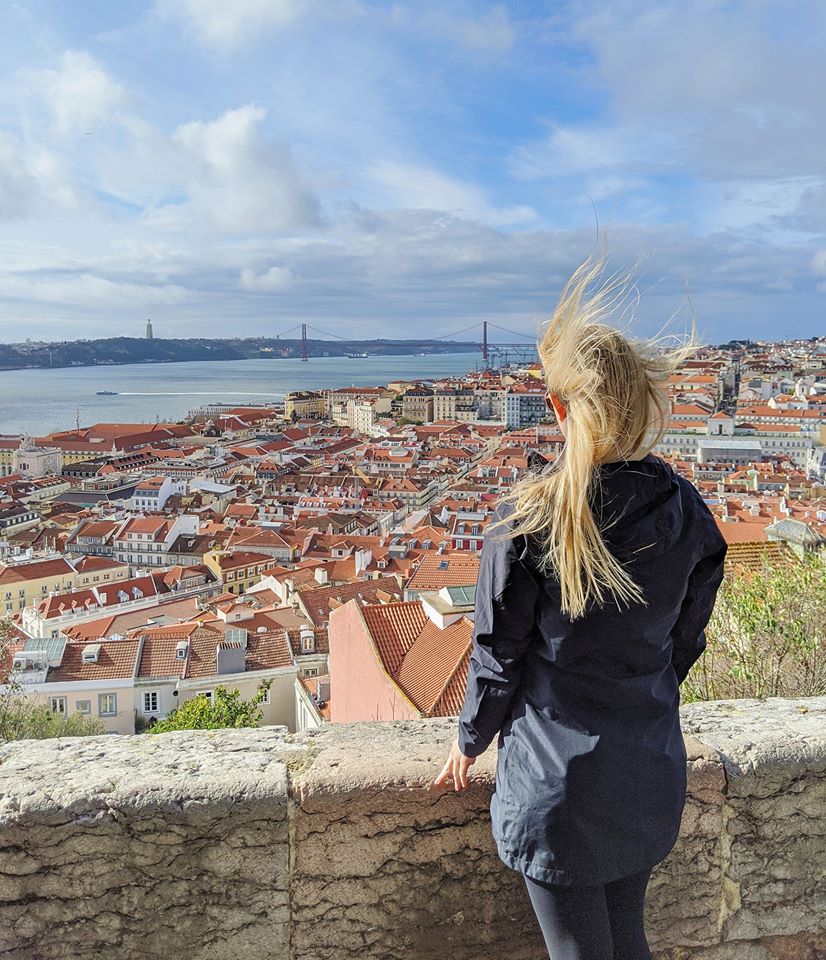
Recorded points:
(98, 528)
(743, 531)
(233, 561)
(394, 628)
(122, 623)
(452, 697)
(432, 662)
(159, 644)
(318, 601)
(462, 569)
(264, 652)
(87, 564)
(754, 555)
(428, 665)
(35, 570)
(116, 661)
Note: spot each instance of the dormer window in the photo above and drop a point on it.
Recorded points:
(91, 652)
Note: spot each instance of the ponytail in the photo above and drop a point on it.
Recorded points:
(612, 387)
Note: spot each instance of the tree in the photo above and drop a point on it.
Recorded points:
(22, 717)
(767, 635)
(224, 709)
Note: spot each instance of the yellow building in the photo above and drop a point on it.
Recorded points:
(23, 584)
(8, 448)
(417, 405)
(238, 571)
(305, 404)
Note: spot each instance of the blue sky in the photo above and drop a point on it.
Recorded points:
(404, 169)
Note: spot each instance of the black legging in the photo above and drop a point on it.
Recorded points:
(603, 922)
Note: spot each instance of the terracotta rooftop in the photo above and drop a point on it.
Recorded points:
(90, 564)
(453, 569)
(428, 664)
(433, 662)
(116, 661)
(35, 570)
(394, 628)
(743, 531)
(318, 601)
(754, 555)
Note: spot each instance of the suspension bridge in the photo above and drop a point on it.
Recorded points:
(495, 353)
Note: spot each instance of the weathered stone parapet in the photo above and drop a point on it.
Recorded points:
(254, 844)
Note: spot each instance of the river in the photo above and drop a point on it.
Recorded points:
(40, 401)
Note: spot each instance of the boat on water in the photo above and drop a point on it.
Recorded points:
(106, 393)
(356, 356)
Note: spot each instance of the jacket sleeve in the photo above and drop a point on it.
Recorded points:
(506, 599)
(688, 633)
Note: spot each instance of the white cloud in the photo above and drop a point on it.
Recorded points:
(572, 150)
(34, 181)
(417, 187)
(738, 84)
(270, 281)
(79, 94)
(86, 289)
(225, 25)
(235, 180)
(17, 186)
(211, 214)
(415, 268)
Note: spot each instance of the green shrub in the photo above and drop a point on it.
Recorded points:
(766, 635)
(226, 709)
(24, 719)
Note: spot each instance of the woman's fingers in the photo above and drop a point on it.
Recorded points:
(445, 772)
(455, 769)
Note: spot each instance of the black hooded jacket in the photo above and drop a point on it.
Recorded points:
(591, 768)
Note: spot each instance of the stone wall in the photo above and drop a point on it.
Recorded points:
(255, 844)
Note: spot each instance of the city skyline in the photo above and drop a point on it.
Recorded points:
(232, 170)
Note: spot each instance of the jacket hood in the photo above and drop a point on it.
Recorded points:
(638, 506)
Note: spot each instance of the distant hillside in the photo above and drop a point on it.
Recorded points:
(115, 350)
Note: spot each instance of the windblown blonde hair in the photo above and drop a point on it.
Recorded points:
(612, 386)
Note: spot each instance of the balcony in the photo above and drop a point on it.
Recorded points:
(258, 845)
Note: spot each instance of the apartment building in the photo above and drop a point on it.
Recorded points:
(23, 584)
(417, 405)
(146, 541)
(150, 495)
(238, 571)
(305, 405)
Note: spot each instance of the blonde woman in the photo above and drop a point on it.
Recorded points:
(595, 587)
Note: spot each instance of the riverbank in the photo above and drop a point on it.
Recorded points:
(118, 351)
